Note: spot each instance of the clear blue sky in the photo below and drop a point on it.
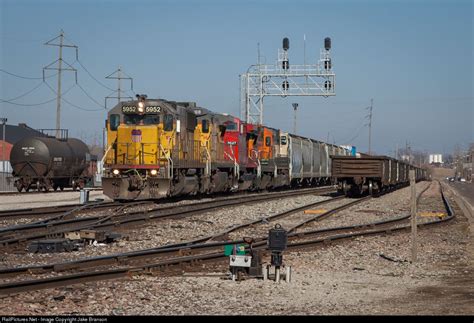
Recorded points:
(414, 58)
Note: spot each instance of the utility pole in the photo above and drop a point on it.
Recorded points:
(59, 69)
(370, 125)
(413, 216)
(4, 173)
(118, 75)
(295, 107)
(408, 151)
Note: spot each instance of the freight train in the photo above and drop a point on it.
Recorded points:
(158, 148)
(372, 174)
(45, 163)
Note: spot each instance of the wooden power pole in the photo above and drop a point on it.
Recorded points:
(413, 216)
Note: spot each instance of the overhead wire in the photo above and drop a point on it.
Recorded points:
(90, 97)
(72, 104)
(92, 76)
(41, 103)
(24, 94)
(26, 77)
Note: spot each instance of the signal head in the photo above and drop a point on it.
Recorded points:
(286, 43)
(327, 43)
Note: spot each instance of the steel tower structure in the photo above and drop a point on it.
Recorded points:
(284, 79)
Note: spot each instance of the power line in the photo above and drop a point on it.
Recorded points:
(80, 108)
(30, 105)
(355, 136)
(41, 103)
(90, 97)
(72, 104)
(26, 77)
(20, 96)
(92, 76)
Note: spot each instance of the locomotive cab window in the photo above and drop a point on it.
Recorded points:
(205, 126)
(283, 140)
(168, 122)
(231, 126)
(137, 119)
(114, 122)
(268, 141)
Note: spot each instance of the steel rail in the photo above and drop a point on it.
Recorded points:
(15, 287)
(110, 259)
(54, 230)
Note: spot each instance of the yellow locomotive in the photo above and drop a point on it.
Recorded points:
(158, 148)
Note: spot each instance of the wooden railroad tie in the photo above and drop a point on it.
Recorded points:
(318, 211)
(432, 214)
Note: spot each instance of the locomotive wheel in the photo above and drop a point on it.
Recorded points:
(61, 188)
(55, 187)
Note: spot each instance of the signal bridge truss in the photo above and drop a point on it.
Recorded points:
(284, 79)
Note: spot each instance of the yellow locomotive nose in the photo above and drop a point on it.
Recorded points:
(137, 145)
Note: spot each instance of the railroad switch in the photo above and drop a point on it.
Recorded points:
(242, 261)
(277, 243)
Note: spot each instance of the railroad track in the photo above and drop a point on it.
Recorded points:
(60, 209)
(297, 241)
(52, 210)
(8, 193)
(21, 234)
(183, 247)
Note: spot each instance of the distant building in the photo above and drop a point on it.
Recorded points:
(435, 159)
(405, 158)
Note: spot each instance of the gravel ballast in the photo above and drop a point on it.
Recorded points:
(364, 275)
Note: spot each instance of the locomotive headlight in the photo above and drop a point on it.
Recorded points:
(153, 172)
(141, 107)
(116, 171)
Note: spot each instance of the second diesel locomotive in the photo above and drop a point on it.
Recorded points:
(158, 148)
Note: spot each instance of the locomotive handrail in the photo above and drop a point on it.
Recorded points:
(170, 162)
(105, 154)
(259, 167)
(208, 161)
(236, 165)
